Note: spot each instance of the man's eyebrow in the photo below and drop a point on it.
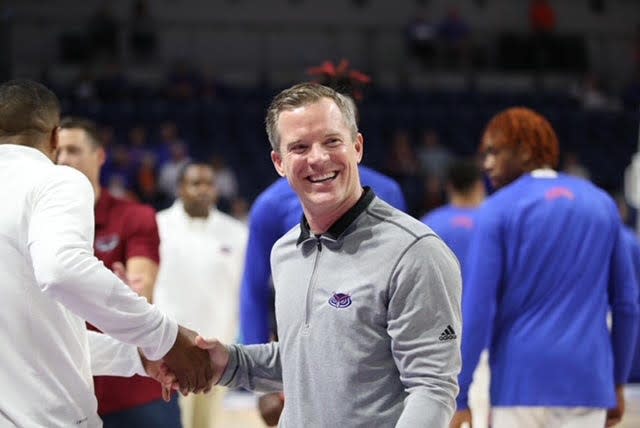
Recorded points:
(332, 134)
(292, 143)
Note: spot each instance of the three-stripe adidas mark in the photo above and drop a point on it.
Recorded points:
(448, 334)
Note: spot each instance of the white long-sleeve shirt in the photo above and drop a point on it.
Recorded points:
(200, 270)
(51, 283)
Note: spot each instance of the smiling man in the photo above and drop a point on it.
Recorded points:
(364, 293)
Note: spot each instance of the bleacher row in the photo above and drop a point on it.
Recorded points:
(233, 126)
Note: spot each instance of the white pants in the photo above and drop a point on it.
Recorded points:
(552, 417)
(479, 402)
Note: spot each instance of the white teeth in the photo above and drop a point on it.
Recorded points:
(321, 178)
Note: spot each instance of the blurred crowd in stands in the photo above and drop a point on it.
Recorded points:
(150, 131)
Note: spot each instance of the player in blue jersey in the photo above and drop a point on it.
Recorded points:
(634, 247)
(545, 265)
(455, 222)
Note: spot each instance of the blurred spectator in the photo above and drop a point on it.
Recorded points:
(169, 135)
(143, 31)
(119, 176)
(226, 180)
(542, 20)
(138, 142)
(573, 166)
(402, 158)
(107, 136)
(169, 171)
(591, 95)
(421, 38)
(403, 166)
(342, 78)
(453, 34)
(183, 81)
(118, 187)
(542, 17)
(103, 32)
(84, 86)
(146, 187)
(145, 160)
(434, 157)
(202, 251)
(456, 221)
(240, 209)
(433, 195)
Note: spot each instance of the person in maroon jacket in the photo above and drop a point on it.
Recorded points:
(126, 233)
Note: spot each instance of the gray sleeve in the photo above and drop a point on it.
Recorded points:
(424, 323)
(254, 367)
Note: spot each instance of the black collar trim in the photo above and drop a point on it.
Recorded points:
(343, 222)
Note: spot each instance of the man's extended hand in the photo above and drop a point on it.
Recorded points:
(218, 353)
(159, 371)
(191, 365)
(460, 417)
(270, 407)
(614, 416)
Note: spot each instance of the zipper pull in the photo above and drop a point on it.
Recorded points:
(319, 244)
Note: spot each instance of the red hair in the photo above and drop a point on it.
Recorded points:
(521, 125)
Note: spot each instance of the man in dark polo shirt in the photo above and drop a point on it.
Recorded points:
(126, 232)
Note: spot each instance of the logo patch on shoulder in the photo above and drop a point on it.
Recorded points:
(340, 300)
(107, 243)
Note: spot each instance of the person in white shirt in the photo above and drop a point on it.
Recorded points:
(202, 256)
(52, 283)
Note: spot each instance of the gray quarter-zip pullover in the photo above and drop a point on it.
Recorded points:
(368, 321)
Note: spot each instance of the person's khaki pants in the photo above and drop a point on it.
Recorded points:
(202, 410)
(542, 417)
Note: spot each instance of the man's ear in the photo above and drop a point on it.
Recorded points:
(53, 140)
(276, 158)
(526, 154)
(359, 146)
(102, 156)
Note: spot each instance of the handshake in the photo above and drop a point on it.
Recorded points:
(193, 364)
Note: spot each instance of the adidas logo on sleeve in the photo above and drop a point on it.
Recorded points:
(448, 334)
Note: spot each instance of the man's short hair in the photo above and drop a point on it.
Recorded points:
(304, 94)
(182, 172)
(463, 174)
(27, 108)
(87, 125)
(521, 125)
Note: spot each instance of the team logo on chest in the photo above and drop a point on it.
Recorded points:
(340, 300)
(107, 243)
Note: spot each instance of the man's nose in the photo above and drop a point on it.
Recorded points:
(61, 158)
(488, 162)
(317, 153)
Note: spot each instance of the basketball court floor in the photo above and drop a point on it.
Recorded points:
(240, 407)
